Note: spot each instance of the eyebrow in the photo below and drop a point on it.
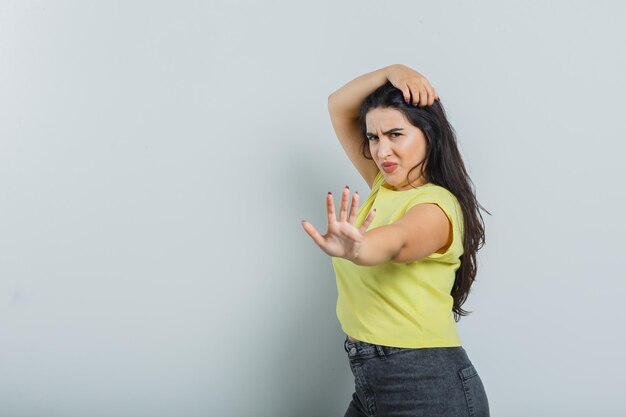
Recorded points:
(387, 132)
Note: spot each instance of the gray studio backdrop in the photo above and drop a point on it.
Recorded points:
(156, 160)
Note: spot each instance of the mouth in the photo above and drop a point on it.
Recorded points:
(388, 168)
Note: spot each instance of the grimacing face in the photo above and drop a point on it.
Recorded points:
(393, 139)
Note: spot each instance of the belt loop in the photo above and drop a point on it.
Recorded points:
(381, 352)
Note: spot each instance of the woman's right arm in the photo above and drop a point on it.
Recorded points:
(343, 106)
(345, 103)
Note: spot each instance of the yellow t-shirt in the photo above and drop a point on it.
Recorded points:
(402, 304)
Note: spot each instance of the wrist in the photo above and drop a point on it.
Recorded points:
(379, 245)
(390, 68)
(357, 259)
(387, 70)
(366, 255)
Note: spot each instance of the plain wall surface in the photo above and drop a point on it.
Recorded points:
(156, 159)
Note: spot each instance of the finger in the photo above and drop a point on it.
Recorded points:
(408, 97)
(367, 221)
(416, 89)
(354, 207)
(406, 92)
(310, 230)
(330, 209)
(343, 210)
(423, 97)
(414, 93)
(432, 96)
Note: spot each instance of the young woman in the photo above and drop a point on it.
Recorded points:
(406, 259)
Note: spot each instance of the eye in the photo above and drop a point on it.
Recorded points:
(391, 134)
(371, 138)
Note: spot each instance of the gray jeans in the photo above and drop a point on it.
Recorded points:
(414, 382)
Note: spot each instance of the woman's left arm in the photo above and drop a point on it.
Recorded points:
(423, 230)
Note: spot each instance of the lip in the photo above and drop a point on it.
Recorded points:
(389, 167)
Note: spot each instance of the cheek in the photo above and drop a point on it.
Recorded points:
(416, 148)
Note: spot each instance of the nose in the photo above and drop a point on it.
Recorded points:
(384, 149)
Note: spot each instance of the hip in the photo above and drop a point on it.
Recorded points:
(438, 381)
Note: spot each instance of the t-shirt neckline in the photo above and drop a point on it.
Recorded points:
(400, 191)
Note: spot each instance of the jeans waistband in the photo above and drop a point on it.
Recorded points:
(365, 350)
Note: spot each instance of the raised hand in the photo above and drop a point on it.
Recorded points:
(414, 86)
(342, 238)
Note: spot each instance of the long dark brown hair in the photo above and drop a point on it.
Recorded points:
(442, 166)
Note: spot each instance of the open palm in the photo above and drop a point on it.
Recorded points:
(342, 238)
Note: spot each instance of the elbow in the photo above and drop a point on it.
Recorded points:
(332, 106)
(331, 100)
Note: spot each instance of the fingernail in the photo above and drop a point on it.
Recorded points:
(329, 193)
(347, 187)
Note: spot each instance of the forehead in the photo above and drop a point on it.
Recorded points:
(384, 119)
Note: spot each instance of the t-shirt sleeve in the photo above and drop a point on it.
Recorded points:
(449, 204)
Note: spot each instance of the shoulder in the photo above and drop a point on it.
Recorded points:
(441, 196)
(434, 193)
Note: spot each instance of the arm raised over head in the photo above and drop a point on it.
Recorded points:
(344, 106)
